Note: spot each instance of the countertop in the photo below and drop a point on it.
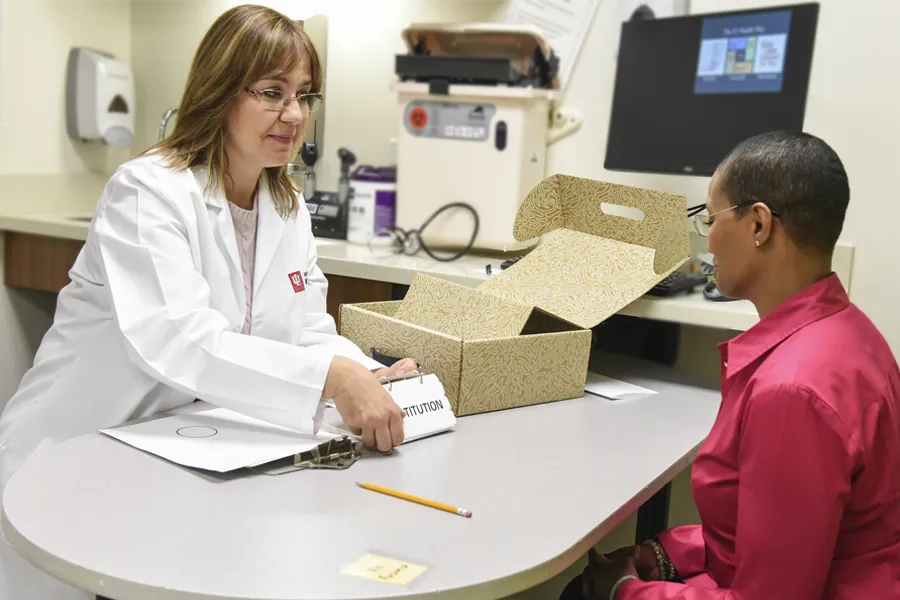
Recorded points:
(61, 206)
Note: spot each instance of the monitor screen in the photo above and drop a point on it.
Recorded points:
(743, 53)
(688, 89)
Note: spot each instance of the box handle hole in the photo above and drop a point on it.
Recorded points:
(626, 212)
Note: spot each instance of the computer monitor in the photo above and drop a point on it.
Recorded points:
(688, 89)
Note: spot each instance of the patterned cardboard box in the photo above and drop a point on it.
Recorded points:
(523, 337)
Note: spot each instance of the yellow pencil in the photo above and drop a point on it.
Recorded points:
(439, 505)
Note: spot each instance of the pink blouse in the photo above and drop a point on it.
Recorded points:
(798, 483)
(245, 222)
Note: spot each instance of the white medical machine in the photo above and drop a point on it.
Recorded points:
(477, 110)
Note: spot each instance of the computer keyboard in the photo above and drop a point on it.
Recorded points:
(678, 282)
(508, 263)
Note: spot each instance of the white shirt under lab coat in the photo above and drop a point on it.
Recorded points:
(152, 318)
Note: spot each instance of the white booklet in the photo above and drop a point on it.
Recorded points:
(221, 440)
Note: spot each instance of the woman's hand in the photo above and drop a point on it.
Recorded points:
(400, 367)
(364, 405)
(646, 563)
(603, 571)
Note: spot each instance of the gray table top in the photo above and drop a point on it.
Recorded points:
(545, 483)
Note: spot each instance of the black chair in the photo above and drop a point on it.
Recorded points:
(573, 591)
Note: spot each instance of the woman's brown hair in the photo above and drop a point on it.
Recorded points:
(245, 44)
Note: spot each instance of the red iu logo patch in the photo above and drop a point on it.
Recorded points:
(297, 281)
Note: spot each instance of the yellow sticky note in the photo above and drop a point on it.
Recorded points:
(387, 570)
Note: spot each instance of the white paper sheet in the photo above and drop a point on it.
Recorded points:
(216, 440)
(426, 406)
(613, 389)
(564, 24)
(424, 402)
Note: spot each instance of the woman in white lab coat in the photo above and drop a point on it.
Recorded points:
(198, 278)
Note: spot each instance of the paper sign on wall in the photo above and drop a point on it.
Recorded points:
(563, 23)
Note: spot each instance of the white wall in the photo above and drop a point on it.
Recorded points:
(35, 37)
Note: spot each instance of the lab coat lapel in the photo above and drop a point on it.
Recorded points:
(220, 217)
(268, 233)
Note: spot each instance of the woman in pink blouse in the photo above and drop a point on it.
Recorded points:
(798, 483)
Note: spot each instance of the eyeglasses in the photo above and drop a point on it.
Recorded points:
(702, 222)
(275, 99)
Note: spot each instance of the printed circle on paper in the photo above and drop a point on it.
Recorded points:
(197, 431)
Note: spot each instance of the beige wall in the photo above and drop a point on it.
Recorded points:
(359, 103)
(35, 37)
(852, 104)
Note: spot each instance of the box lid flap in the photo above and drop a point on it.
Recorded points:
(476, 40)
(461, 311)
(523, 45)
(610, 245)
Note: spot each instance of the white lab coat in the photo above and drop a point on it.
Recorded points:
(152, 318)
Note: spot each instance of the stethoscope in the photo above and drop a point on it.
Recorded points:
(409, 241)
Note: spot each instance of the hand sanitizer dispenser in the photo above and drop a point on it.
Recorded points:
(99, 98)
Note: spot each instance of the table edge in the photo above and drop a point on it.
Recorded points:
(120, 589)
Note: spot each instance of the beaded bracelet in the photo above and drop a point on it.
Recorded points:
(666, 568)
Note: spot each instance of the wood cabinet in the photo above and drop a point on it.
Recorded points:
(348, 290)
(37, 262)
(42, 263)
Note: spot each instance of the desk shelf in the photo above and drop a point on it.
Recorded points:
(359, 273)
(694, 309)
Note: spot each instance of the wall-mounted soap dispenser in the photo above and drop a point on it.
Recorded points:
(99, 98)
